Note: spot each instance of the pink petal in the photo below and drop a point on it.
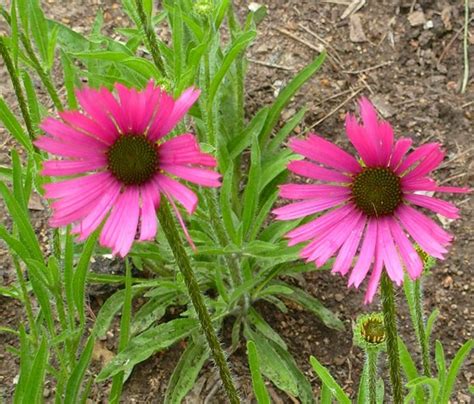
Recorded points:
(454, 190)
(310, 170)
(150, 197)
(389, 252)
(347, 252)
(371, 126)
(81, 122)
(90, 101)
(410, 257)
(319, 225)
(164, 108)
(181, 107)
(385, 131)
(184, 149)
(72, 167)
(361, 141)
(424, 231)
(401, 147)
(95, 217)
(327, 244)
(184, 195)
(322, 151)
(199, 176)
(181, 222)
(301, 209)
(418, 184)
(75, 186)
(113, 109)
(309, 191)
(68, 149)
(366, 254)
(376, 274)
(444, 208)
(431, 161)
(415, 156)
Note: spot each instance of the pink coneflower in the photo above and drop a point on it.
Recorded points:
(372, 201)
(120, 163)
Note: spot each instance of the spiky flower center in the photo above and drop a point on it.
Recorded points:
(132, 159)
(373, 330)
(377, 191)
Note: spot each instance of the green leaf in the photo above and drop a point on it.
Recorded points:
(409, 368)
(39, 29)
(237, 46)
(275, 143)
(264, 328)
(21, 219)
(287, 93)
(250, 197)
(69, 79)
(315, 306)
(32, 97)
(259, 389)
(35, 383)
(432, 383)
(186, 371)
(13, 126)
(144, 345)
(329, 381)
(14, 32)
(430, 324)
(76, 378)
(453, 371)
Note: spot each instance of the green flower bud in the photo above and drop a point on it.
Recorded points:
(369, 331)
(203, 7)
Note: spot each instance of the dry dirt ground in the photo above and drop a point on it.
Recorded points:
(405, 55)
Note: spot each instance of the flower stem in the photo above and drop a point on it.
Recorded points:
(150, 37)
(372, 355)
(425, 353)
(388, 304)
(166, 220)
(17, 87)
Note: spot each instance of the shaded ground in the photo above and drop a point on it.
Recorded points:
(407, 57)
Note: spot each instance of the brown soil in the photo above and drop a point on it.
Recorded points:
(413, 74)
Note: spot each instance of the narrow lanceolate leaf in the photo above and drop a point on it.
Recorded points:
(456, 364)
(75, 380)
(250, 198)
(186, 371)
(261, 393)
(13, 126)
(20, 217)
(329, 381)
(34, 386)
(39, 29)
(146, 344)
(289, 91)
(409, 368)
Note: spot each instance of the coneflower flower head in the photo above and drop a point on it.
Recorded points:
(372, 218)
(120, 163)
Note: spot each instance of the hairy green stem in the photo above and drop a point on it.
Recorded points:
(389, 315)
(166, 220)
(17, 87)
(372, 355)
(420, 326)
(150, 37)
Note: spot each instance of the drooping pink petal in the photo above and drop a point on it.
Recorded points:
(150, 199)
(85, 124)
(75, 186)
(181, 222)
(95, 217)
(453, 190)
(199, 176)
(181, 193)
(385, 132)
(424, 231)
(400, 149)
(72, 167)
(376, 273)
(349, 248)
(322, 151)
(418, 184)
(67, 149)
(366, 254)
(444, 208)
(184, 149)
(164, 108)
(180, 108)
(317, 226)
(310, 191)
(410, 257)
(389, 253)
(315, 172)
(300, 209)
